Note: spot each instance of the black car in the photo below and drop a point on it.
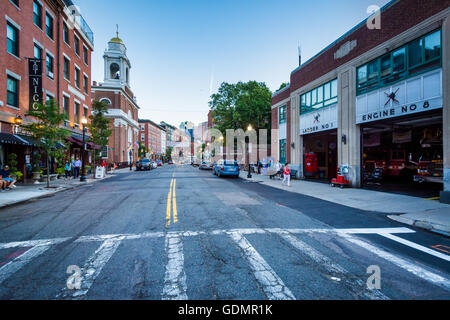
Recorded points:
(144, 164)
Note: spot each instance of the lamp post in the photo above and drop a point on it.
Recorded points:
(249, 175)
(83, 155)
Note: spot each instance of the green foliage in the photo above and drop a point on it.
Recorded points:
(142, 151)
(235, 106)
(169, 153)
(47, 130)
(99, 127)
(12, 162)
(36, 162)
(19, 175)
(283, 85)
(60, 171)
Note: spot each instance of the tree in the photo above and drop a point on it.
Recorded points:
(169, 153)
(99, 127)
(235, 106)
(142, 151)
(283, 85)
(47, 130)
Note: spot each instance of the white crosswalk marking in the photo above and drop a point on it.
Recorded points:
(402, 263)
(13, 266)
(175, 277)
(328, 265)
(272, 285)
(91, 269)
(174, 286)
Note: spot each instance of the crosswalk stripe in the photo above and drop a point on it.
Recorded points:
(175, 276)
(272, 285)
(402, 263)
(13, 266)
(92, 269)
(330, 266)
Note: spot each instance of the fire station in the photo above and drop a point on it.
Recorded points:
(375, 101)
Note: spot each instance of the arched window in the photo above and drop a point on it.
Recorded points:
(106, 100)
(115, 71)
(128, 75)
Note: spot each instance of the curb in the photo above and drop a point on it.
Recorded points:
(48, 195)
(432, 227)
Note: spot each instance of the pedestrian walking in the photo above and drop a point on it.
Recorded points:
(67, 169)
(287, 175)
(76, 168)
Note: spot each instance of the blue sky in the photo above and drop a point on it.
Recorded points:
(181, 50)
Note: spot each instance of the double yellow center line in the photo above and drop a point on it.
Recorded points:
(172, 202)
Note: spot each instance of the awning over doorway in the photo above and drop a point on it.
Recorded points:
(8, 138)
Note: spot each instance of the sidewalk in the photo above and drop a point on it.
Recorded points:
(31, 191)
(427, 214)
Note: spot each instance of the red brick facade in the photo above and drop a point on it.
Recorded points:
(30, 34)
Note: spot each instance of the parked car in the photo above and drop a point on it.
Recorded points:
(159, 163)
(154, 165)
(227, 168)
(143, 164)
(205, 166)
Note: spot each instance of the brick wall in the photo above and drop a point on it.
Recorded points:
(397, 18)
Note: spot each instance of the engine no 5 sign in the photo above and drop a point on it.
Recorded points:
(418, 94)
(35, 75)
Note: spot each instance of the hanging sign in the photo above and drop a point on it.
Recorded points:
(35, 76)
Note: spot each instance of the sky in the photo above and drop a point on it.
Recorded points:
(181, 51)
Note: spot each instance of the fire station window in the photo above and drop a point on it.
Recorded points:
(37, 14)
(49, 25)
(85, 55)
(37, 52)
(314, 97)
(398, 60)
(334, 88)
(12, 40)
(320, 94)
(16, 2)
(308, 100)
(433, 46)
(362, 76)
(372, 71)
(327, 89)
(12, 92)
(385, 65)
(415, 53)
(282, 114)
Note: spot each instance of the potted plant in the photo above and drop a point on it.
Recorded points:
(60, 172)
(12, 161)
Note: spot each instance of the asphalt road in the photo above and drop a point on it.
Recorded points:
(181, 233)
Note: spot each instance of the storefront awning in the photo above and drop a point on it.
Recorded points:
(8, 138)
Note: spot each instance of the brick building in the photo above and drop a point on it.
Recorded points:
(123, 109)
(51, 31)
(152, 136)
(376, 97)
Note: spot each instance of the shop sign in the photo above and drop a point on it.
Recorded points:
(419, 94)
(35, 77)
(320, 120)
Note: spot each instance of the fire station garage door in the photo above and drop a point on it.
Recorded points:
(404, 155)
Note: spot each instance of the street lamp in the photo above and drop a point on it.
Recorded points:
(249, 175)
(18, 122)
(83, 176)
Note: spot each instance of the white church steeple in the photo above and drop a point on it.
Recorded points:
(117, 65)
